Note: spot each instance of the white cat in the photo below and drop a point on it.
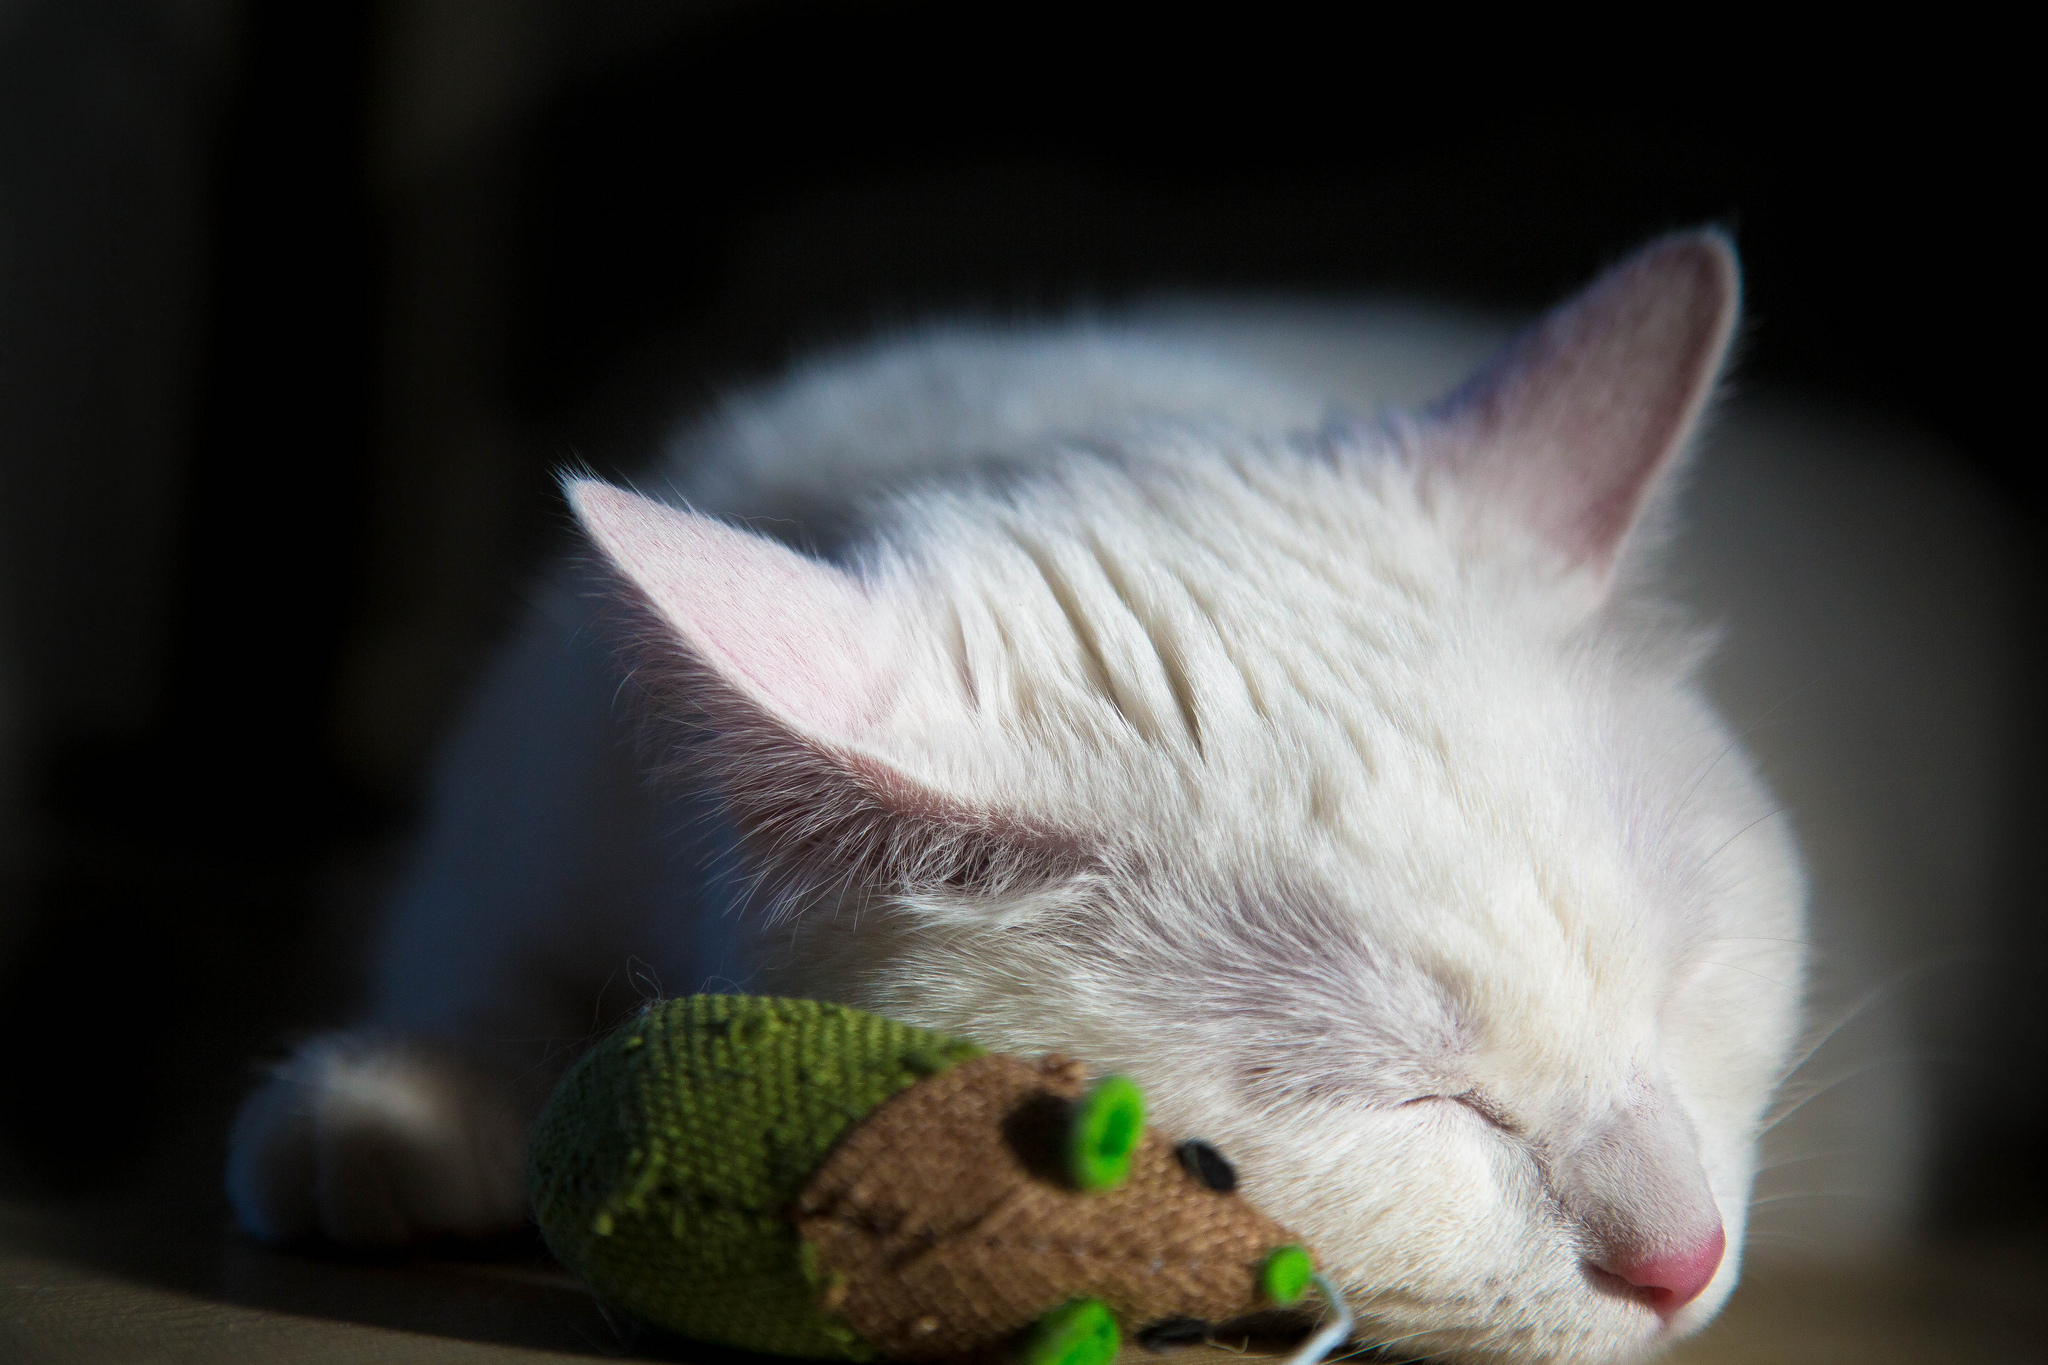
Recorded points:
(1341, 780)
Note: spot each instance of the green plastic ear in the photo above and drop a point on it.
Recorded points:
(1286, 1274)
(1108, 1122)
(1083, 1332)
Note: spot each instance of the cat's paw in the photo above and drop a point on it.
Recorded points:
(377, 1142)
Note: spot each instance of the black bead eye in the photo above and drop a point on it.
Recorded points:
(1207, 1165)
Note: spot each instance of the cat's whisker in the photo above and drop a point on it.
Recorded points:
(1832, 1153)
(1381, 1344)
(1789, 1246)
(1816, 1194)
(1747, 732)
(1749, 938)
(1370, 1342)
(1734, 967)
(1481, 1341)
(1822, 1088)
(1869, 1000)
(1772, 815)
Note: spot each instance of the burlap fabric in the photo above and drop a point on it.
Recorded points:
(944, 1224)
(663, 1169)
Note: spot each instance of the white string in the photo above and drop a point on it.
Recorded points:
(1332, 1335)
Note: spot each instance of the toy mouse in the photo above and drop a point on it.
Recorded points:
(807, 1179)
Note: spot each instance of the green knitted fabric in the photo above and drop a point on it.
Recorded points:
(662, 1167)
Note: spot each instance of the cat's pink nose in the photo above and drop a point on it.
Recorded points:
(1671, 1282)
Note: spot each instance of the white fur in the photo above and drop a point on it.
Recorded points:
(1324, 775)
(377, 1143)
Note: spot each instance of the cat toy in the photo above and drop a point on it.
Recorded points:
(806, 1179)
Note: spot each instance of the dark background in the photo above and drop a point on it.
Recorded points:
(302, 302)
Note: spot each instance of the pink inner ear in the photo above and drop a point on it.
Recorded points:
(1573, 423)
(796, 637)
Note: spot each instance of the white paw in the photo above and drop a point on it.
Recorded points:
(376, 1142)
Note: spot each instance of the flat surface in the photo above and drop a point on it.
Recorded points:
(116, 1285)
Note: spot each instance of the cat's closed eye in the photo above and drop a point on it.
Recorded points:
(1478, 1103)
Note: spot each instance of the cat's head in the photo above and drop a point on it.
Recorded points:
(1345, 790)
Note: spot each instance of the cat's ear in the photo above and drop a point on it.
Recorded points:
(1571, 428)
(783, 638)
(786, 671)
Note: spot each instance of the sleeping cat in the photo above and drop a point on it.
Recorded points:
(1103, 689)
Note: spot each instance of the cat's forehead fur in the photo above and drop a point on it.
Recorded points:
(1396, 759)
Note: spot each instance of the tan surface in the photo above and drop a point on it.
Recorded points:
(88, 1286)
(1977, 1305)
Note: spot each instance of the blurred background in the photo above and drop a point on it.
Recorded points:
(303, 302)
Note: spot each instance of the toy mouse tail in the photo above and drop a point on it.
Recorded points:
(1331, 1334)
